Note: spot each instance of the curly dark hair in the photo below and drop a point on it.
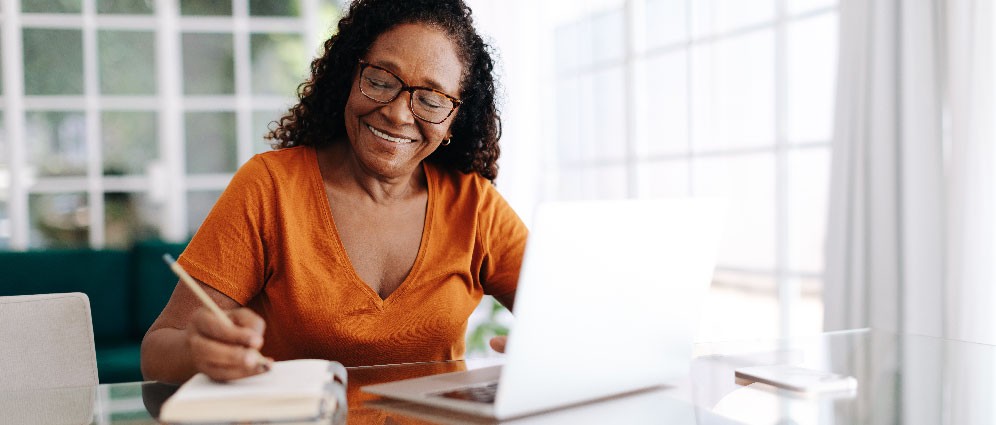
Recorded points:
(317, 119)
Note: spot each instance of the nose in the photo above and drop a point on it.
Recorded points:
(398, 110)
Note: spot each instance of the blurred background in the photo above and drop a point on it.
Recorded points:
(858, 163)
(123, 120)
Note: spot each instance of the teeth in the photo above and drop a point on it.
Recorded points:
(385, 136)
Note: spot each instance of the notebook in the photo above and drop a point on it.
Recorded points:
(292, 391)
(608, 302)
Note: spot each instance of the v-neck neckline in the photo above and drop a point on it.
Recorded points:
(333, 233)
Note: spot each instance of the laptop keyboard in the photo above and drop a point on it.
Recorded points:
(479, 393)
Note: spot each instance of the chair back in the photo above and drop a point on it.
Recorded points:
(46, 342)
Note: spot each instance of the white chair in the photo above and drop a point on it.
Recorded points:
(48, 365)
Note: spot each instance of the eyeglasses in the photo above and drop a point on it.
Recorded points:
(383, 86)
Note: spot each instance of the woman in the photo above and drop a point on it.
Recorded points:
(373, 231)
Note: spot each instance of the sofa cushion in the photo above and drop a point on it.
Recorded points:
(119, 362)
(101, 274)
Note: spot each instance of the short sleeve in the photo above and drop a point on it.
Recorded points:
(227, 251)
(503, 235)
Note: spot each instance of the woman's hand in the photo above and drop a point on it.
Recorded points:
(224, 352)
(498, 343)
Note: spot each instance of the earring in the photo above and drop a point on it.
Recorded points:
(446, 142)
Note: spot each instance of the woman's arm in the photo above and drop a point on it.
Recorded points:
(187, 338)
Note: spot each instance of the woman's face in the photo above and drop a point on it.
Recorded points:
(420, 55)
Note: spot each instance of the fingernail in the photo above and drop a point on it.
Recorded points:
(255, 340)
(266, 364)
(252, 358)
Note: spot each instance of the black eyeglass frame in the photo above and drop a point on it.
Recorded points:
(406, 88)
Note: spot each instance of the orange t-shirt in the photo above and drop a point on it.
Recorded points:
(270, 243)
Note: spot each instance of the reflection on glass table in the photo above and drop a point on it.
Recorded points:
(137, 403)
(907, 379)
(901, 379)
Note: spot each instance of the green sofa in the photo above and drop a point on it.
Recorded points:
(127, 291)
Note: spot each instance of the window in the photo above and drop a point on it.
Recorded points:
(730, 98)
(125, 120)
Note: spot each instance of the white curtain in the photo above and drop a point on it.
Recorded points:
(885, 246)
(912, 220)
(971, 277)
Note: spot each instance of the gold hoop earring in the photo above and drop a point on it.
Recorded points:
(446, 142)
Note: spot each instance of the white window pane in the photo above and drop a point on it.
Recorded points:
(57, 142)
(745, 89)
(735, 14)
(702, 18)
(262, 122)
(279, 63)
(211, 144)
(274, 8)
(802, 6)
(565, 49)
(608, 36)
(5, 229)
(46, 50)
(662, 179)
(568, 120)
(739, 306)
(63, 6)
(812, 68)
(3, 153)
(733, 92)
(602, 182)
(129, 217)
(205, 8)
(199, 204)
(608, 182)
(748, 183)
(129, 141)
(208, 63)
(127, 62)
(125, 7)
(570, 185)
(60, 220)
(719, 16)
(703, 94)
(664, 127)
(808, 187)
(572, 47)
(609, 120)
(588, 117)
(667, 22)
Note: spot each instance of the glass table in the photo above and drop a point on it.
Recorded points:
(901, 379)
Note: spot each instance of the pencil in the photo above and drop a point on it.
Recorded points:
(207, 301)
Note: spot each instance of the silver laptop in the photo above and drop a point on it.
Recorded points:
(607, 303)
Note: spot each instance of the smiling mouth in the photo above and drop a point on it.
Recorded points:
(388, 137)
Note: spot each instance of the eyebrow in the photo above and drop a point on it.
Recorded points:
(394, 67)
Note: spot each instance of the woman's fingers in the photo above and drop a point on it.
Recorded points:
(225, 352)
(247, 318)
(206, 323)
(498, 343)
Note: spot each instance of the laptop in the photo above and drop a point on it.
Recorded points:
(607, 303)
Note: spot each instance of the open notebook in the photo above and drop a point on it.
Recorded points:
(292, 391)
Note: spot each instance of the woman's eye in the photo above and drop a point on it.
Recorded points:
(430, 102)
(376, 83)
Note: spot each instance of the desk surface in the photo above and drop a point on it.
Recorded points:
(902, 379)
